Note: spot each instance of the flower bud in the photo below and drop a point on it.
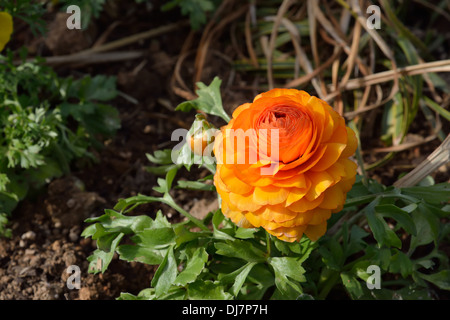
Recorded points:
(201, 135)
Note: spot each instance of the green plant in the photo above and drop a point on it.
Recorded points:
(197, 10)
(29, 11)
(46, 122)
(399, 230)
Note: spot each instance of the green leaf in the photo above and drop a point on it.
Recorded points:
(218, 233)
(155, 238)
(209, 100)
(400, 263)
(287, 268)
(439, 193)
(441, 279)
(427, 226)
(240, 249)
(166, 274)
(160, 157)
(237, 277)
(401, 216)
(353, 285)
(142, 254)
(195, 265)
(183, 235)
(116, 222)
(207, 290)
(195, 185)
(246, 233)
(196, 9)
(164, 185)
(381, 231)
(100, 259)
(100, 88)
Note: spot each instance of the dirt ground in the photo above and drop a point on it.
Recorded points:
(46, 228)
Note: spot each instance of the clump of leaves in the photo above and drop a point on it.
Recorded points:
(29, 11)
(399, 231)
(45, 123)
(197, 10)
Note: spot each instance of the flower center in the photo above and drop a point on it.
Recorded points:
(294, 131)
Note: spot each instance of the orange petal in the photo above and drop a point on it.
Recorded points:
(304, 204)
(320, 181)
(320, 215)
(244, 202)
(269, 195)
(314, 232)
(278, 213)
(330, 156)
(352, 144)
(233, 183)
(333, 197)
(297, 181)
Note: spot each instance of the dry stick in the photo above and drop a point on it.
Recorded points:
(248, 41)
(82, 56)
(350, 60)
(207, 38)
(102, 39)
(353, 53)
(435, 66)
(312, 32)
(273, 36)
(438, 158)
(383, 46)
(307, 77)
(94, 57)
(313, 12)
(136, 37)
(405, 146)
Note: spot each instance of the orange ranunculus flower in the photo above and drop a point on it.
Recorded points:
(301, 172)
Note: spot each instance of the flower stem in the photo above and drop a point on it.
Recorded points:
(269, 248)
(167, 199)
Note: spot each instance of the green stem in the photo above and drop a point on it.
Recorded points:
(330, 283)
(167, 199)
(269, 247)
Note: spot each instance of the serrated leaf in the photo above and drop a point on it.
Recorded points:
(401, 216)
(427, 226)
(142, 254)
(401, 263)
(240, 249)
(218, 233)
(194, 266)
(160, 156)
(287, 268)
(237, 277)
(245, 233)
(155, 238)
(209, 100)
(100, 259)
(195, 185)
(381, 231)
(165, 274)
(441, 279)
(353, 286)
(439, 193)
(207, 290)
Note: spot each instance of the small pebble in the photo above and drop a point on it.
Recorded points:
(29, 235)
